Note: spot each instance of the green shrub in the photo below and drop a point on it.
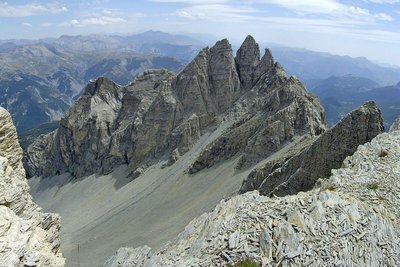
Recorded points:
(373, 185)
(383, 153)
(247, 263)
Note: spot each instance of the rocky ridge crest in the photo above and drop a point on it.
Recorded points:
(28, 236)
(349, 220)
(299, 170)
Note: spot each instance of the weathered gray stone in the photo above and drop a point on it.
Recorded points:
(159, 112)
(247, 59)
(350, 224)
(301, 171)
(28, 237)
(395, 126)
(280, 110)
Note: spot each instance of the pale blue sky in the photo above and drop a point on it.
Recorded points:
(368, 28)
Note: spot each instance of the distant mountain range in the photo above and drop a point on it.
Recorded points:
(311, 67)
(341, 94)
(40, 79)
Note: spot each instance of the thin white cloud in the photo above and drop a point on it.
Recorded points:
(46, 24)
(365, 14)
(329, 7)
(26, 24)
(217, 12)
(384, 1)
(193, 2)
(8, 10)
(103, 20)
(307, 6)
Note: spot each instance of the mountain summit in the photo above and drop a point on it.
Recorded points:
(160, 112)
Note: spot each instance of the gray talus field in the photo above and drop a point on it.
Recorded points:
(102, 213)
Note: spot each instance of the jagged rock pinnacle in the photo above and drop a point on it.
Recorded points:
(247, 59)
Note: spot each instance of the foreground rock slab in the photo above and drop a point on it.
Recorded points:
(28, 236)
(349, 220)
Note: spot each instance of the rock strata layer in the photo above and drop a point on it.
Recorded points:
(349, 220)
(327, 152)
(28, 236)
(161, 114)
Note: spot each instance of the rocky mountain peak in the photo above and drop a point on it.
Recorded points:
(98, 85)
(267, 59)
(222, 45)
(160, 112)
(247, 59)
(250, 67)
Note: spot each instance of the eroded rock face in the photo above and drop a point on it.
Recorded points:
(28, 237)
(395, 126)
(247, 59)
(349, 220)
(302, 170)
(160, 112)
(281, 109)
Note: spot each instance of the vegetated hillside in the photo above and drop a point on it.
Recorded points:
(310, 66)
(136, 163)
(340, 95)
(39, 81)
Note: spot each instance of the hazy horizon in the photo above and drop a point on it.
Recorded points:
(368, 28)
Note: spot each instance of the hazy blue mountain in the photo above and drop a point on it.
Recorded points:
(150, 42)
(123, 67)
(28, 136)
(39, 81)
(310, 66)
(341, 94)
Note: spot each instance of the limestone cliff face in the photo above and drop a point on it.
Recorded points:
(300, 171)
(28, 236)
(352, 219)
(161, 112)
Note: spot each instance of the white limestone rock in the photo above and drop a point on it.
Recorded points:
(352, 219)
(28, 236)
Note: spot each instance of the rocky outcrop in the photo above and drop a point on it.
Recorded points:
(210, 83)
(395, 126)
(349, 220)
(247, 59)
(160, 113)
(281, 110)
(108, 126)
(302, 170)
(28, 237)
